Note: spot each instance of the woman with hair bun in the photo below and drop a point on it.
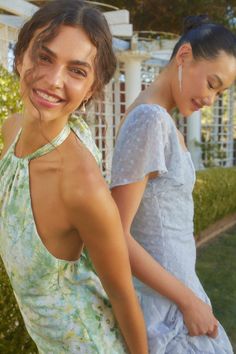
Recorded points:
(53, 199)
(152, 182)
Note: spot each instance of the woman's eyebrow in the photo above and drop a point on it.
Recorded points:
(73, 62)
(49, 51)
(80, 63)
(220, 82)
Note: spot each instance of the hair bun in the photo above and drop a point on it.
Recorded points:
(191, 22)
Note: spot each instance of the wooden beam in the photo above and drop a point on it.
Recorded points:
(121, 30)
(117, 17)
(118, 20)
(120, 44)
(11, 21)
(18, 7)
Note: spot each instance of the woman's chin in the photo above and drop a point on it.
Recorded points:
(186, 112)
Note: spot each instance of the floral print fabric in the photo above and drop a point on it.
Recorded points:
(63, 304)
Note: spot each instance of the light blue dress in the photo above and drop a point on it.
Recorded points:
(63, 304)
(163, 225)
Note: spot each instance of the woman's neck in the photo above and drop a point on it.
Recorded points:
(36, 133)
(160, 91)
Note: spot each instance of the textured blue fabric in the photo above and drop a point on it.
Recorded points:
(148, 141)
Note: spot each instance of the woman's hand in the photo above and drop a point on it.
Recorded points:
(199, 318)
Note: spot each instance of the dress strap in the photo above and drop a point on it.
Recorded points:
(58, 140)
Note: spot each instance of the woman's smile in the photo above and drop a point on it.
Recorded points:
(196, 105)
(43, 98)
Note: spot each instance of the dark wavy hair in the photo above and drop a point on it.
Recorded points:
(71, 13)
(207, 39)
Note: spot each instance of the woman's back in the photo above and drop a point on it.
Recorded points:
(54, 294)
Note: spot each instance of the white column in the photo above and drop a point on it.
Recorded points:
(117, 101)
(230, 128)
(194, 138)
(109, 129)
(133, 66)
(4, 46)
(133, 80)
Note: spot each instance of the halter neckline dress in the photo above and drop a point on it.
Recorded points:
(63, 304)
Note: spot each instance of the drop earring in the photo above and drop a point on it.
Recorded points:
(180, 76)
(83, 108)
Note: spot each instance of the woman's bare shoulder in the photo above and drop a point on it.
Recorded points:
(11, 127)
(82, 178)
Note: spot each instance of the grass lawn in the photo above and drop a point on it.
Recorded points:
(216, 267)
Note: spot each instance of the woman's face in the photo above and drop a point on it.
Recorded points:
(202, 81)
(62, 77)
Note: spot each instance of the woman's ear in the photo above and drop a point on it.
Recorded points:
(184, 54)
(19, 66)
(89, 95)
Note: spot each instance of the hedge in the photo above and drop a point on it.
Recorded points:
(10, 101)
(13, 336)
(214, 197)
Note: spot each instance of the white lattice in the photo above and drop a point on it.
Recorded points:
(218, 132)
(218, 123)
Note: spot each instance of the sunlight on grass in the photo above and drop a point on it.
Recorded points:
(216, 265)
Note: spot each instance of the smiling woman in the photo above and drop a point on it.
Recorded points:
(56, 77)
(53, 199)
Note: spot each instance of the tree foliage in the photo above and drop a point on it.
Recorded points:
(168, 15)
(10, 101)
(13, 336)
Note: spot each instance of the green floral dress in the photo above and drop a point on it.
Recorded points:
(63, 304)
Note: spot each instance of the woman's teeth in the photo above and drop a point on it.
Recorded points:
(48, 97)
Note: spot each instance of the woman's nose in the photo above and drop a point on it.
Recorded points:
(55, 77)
(209, 100)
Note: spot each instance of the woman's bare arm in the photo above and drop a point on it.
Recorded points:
(94, 214)
(198, 316)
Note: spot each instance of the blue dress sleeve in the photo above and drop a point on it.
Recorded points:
(140, 146)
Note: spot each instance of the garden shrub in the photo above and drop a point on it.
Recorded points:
(10, 101)
(13, 336)
(214, 197)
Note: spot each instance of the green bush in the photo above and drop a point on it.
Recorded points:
(13, 336)
(214, 197)
(10, 101)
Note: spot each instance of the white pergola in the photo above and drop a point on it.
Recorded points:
(133, 52)
(20, 10)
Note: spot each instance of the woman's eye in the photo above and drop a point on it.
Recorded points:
(44, 58)
(210, 85)
(78, 71)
